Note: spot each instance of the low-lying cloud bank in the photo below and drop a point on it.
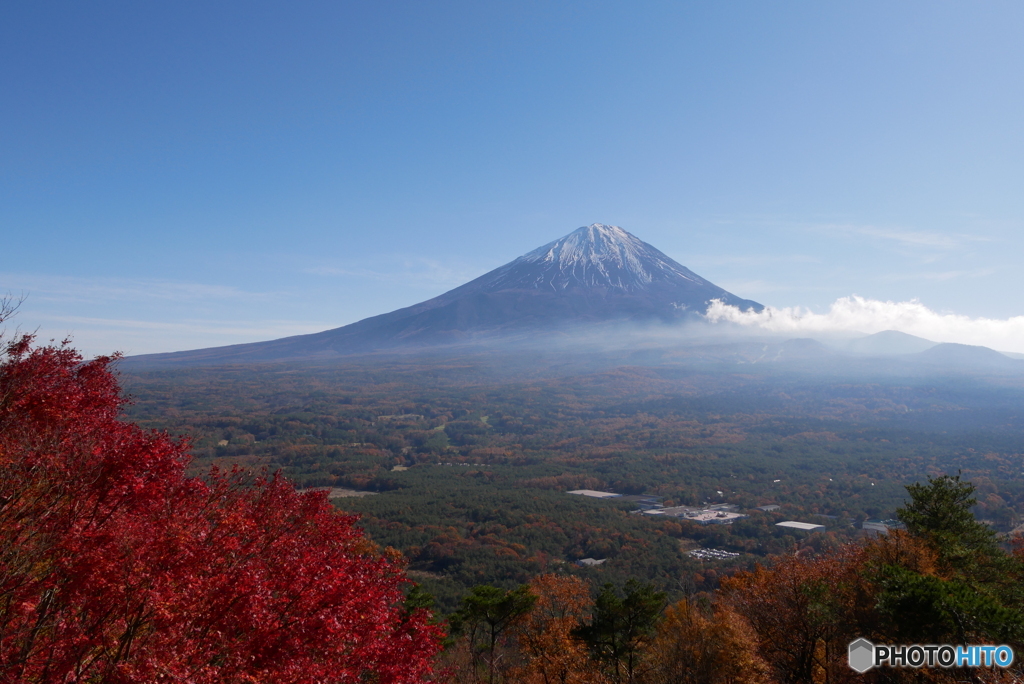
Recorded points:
(857, 314)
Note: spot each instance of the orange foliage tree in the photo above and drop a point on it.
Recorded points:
(800, 610)
(549, 651)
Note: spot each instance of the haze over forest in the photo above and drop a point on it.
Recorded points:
(596, 362)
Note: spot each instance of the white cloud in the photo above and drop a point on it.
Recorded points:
(105, 335)
(202, 327)
(71, 289)
(417, 272)
(755, 288)
(941, 275)
(915, 239)
(857, 314)
(748, 260)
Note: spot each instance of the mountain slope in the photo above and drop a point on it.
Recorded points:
(595, 274)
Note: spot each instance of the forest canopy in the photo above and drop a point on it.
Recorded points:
(127, 554)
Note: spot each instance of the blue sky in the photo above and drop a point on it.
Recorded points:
(178, 175)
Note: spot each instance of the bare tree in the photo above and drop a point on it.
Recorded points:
(9, 305)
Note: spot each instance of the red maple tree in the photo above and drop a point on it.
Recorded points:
(116, 566)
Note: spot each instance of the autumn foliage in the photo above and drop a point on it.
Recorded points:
(946, 579)
(116, 566)
(698, 644)
(537, 641)
(551, 651)
(943, 581)
(566, 636)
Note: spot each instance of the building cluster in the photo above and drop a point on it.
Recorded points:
(719, 514)
(713, 514)
(716, 514)
(712, 554)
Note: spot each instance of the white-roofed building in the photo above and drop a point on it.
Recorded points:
(595, 494)
(805, 527)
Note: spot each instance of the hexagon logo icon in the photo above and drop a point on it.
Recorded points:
(862, 655)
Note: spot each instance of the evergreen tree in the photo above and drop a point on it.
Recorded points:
(488, 613)
(622, 626)
(974, 592)
(940, 513)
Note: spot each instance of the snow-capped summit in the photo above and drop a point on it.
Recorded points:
(595, 274)
(592, 256)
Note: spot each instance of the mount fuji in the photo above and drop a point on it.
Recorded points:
(595, 274)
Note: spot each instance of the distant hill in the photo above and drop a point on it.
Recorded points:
(965, 356)
(888, 343)
(804, 348)
(596, 274)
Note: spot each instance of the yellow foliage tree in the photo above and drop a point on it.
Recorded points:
(713, 647)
